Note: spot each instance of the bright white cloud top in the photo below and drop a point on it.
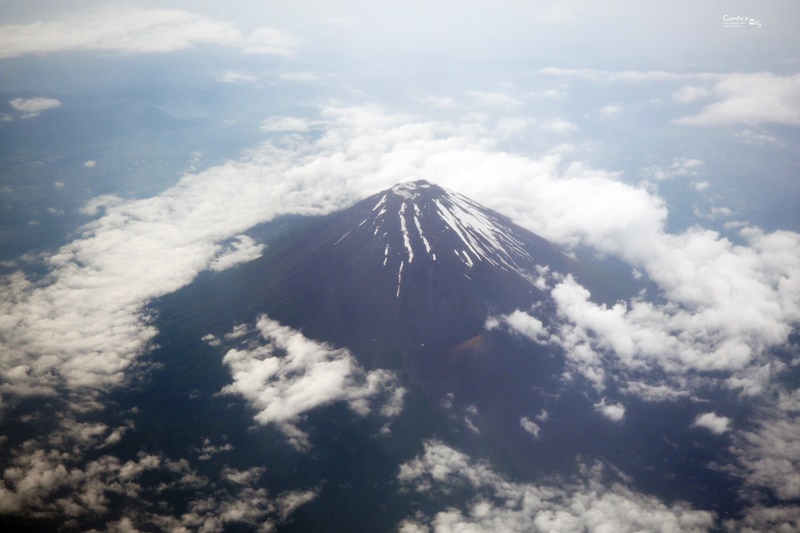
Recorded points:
(713, 422)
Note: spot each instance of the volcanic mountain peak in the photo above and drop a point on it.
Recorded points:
(421, 222)
(413, 265)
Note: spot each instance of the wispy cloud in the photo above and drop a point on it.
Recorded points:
(137, 31)
(33, 107)
(690, 94)
(560, 126)
(681, 166)
(494, 99)
(769, 450)
(303, 76)
(751, 99)
(235, 77)
(497, 503)
(760, 98)
(610, 110)
(271, 41)
(530, 426)
(241, 250)
(758, 138)
(285, 124)
(608, 76)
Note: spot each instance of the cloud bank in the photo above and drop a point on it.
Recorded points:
(499, 504)
(137, 31)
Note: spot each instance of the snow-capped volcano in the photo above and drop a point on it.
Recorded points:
(413, 266)
(422, 222)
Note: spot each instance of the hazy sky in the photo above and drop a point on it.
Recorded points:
(612, 34)
(664, 136)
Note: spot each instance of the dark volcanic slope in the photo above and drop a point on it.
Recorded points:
(414, 268)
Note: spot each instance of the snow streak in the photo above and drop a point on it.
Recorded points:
(404, 229)
(476, 234)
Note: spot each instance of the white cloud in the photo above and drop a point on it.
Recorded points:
(553, 94)
(135, 31)
(120, 29)
(285, 124)
(494, 99)
(33, 107)
(769, 452)
(613, 411)
(758, 138)
(90, 163)
(701, 185)
(230, 509)
(758, 98)
(440, 102)
(560, 126)
(522, 323)
(608, 76)
(243, 477)
(508, 127)
(681, 166)
(752, 99)
(724, 212)
(610, 110)
(307, 375)
(301, 76)
(241, 250)
(726, 305)
(499, 504)
(530, 426)
(763, 518)
(270, 41)
(288, 502)
(712, 422)
(690, 94)
(235, 77)
(208, 450)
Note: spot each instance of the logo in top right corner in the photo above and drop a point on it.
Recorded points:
(738, 21)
